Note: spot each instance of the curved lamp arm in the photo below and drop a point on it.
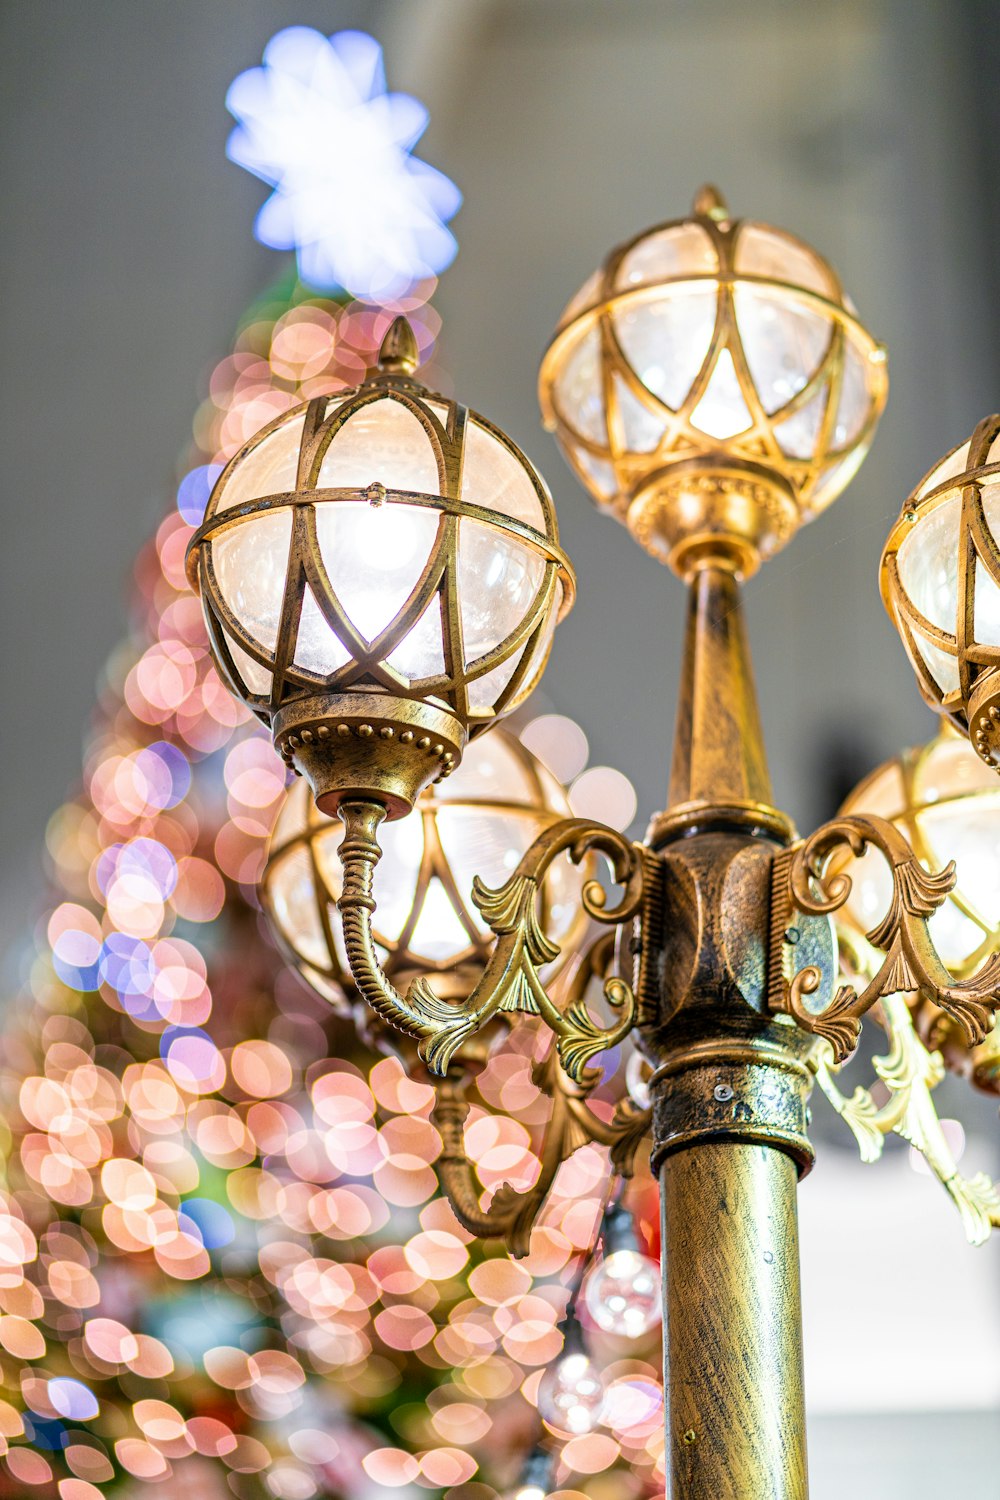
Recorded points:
(803, 882)
(511, 1214)
(510, 981)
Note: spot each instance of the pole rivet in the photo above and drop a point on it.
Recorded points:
(723, 1093)
(690, 1436)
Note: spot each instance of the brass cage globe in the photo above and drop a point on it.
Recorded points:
(941, 585)
(713, 377)
(380, 565)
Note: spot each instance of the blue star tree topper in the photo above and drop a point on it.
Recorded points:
(360, 211)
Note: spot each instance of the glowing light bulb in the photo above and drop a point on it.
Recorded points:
(622, 1291)
(571, 1393)
(623, 1294)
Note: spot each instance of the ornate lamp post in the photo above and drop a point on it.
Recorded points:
(382, 575)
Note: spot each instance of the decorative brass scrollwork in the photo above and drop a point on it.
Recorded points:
(512, 1214)
(911, 964)
(910, 1072)
(510, 981)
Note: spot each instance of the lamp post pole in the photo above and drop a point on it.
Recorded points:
(729, 1089)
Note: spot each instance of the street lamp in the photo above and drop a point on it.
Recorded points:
(714, 389)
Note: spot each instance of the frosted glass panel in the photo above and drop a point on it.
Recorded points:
(383, 443)
(268, 469)
(544, 642)
(953, 934)
(763, 252)
(250, 563)
(374, 556)
(685, 250)
(293, 893)
(492, 477)
(798, 433)
(722, 411)
(954, 769)
(641, 429)
(488, 844)
(666, 341)
(585, 297)
(987, 594)
(485, 690)
(969, 833)
(987, 617)
(784, 341)
(498, 578)
(293, 814)
(257, 678)
(854, 405)
(318, 649)
(949, 468)
(578, 390)
(489, 770)
(421, 653)
(928, 564)
(943, 668)
(871, 889)
(600, 474)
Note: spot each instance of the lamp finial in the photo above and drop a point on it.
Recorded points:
(399, 354)
(710, 204)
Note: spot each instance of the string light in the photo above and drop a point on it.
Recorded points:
(622, 1289)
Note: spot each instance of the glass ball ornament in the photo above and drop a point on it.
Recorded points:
(623, 1294)
(571, 1392)
(941, 585)
(480, 821)
(623, 1289)
(946, 803)
(712, 381)
(381, 575)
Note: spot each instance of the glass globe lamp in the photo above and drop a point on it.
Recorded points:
(479, 821)
(571, 1392)
(941, 586)
(622, 1291)
(711, 385)
(381, 576)
(946, 802)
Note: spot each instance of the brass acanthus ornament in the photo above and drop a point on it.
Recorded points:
(804, 883)
(511, 980)
(715, 390)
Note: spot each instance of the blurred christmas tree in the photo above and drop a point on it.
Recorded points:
(225, 1266)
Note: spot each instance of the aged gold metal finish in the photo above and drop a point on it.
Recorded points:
(956, 655)
(732, 1325)
(719, 454)
(714, 390)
